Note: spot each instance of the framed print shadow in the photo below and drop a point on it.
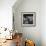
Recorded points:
(28, 19)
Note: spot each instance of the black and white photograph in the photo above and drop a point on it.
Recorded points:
(28, 19)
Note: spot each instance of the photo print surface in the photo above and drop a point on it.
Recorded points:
(27, 18)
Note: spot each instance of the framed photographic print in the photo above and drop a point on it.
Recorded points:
(28, 19)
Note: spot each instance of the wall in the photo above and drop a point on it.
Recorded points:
(6, 13)
(43, 22)
(33, 33)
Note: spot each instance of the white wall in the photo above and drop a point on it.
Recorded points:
(6, 13)
(33, 33)
(43, 22)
